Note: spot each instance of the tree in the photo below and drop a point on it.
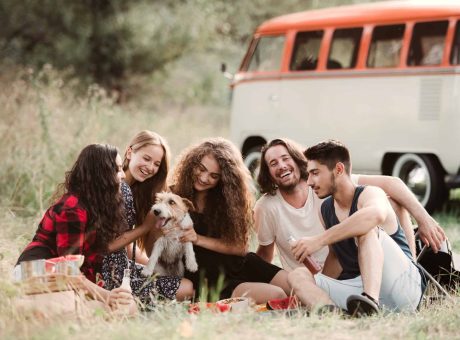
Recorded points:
(105, 40)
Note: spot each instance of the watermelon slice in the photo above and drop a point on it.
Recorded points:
(287, 303)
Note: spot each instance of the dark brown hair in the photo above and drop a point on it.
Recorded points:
(228, 208)
(330, 153)
(93, 179)
(264, 179)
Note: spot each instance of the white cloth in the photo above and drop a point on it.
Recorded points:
(276, 220)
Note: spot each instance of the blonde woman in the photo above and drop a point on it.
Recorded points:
(145, 165)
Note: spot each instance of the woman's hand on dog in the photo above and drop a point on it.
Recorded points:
(189, 235)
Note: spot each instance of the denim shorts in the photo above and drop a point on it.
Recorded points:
(401, 288)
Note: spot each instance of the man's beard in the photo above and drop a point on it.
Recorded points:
(289, 187)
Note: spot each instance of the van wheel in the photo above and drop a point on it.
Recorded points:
(252, 161)
(424, 178)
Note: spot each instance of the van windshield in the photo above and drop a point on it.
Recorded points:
(267, 54)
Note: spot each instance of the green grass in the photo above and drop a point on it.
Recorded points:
(173, 322)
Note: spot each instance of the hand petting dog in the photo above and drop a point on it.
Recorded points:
(189, 235)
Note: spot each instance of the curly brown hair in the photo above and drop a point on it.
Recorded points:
(144, 192)
(228, 207)
(264, 179)
(93, 179)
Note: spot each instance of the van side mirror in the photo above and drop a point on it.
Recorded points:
(223, 69)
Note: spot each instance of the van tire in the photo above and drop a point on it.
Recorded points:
(252, 161)
(429, 188)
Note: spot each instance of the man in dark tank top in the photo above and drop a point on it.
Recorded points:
(370, 265)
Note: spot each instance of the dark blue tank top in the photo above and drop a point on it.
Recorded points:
(346, 250)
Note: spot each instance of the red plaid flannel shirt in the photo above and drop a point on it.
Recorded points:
(64, 230)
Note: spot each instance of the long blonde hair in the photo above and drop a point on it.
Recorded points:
(144, 192)
(228, 207)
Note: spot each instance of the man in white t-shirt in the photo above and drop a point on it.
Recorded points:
(289, 207)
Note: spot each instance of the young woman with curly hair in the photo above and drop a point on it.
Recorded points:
(145, 165)
(212, 175)
(86, 216)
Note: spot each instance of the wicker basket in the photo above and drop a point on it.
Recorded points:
(52, 283)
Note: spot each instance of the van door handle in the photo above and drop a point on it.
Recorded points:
(273, 98)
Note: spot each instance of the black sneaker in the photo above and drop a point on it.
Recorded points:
(362, 305)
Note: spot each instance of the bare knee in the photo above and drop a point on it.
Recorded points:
(185, 290)
(371, 237)
(369, 246)
(298, 277)
(278, 293)
(259, 292)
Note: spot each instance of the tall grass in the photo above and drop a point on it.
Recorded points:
(44, 124)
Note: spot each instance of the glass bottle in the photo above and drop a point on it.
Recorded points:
(125, 284)
(308, 262)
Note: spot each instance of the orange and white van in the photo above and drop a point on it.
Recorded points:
(383, 78)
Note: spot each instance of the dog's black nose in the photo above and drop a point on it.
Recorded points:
(156, 212)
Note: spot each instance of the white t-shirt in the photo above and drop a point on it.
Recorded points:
(276, 220)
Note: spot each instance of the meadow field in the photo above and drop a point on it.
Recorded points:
(44, 124)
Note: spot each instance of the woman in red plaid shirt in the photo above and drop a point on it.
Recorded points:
(87, 215)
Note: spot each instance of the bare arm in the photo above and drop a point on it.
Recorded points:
(219, 246)
(133, 234)
(266, 252)
(373, 211)
(214, 244)
(406, 225)
(430, 231)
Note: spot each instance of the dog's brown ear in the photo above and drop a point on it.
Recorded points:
(188, 204)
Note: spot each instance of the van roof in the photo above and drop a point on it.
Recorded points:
(360, 14)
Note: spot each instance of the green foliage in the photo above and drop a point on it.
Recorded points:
(111, 41)
(105, 40)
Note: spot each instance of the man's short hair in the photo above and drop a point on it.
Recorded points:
(264, 179)
(329, 153)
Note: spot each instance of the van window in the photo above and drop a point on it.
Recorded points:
(385, 46)
(344, 48)
(455, 54)
(306, 51)
(267, 54)
(427, 44)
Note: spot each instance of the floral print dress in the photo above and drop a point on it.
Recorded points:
(147, 289)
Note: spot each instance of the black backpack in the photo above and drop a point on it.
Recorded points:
(440, 265)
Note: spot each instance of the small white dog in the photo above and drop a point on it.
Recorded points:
(168, 251)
